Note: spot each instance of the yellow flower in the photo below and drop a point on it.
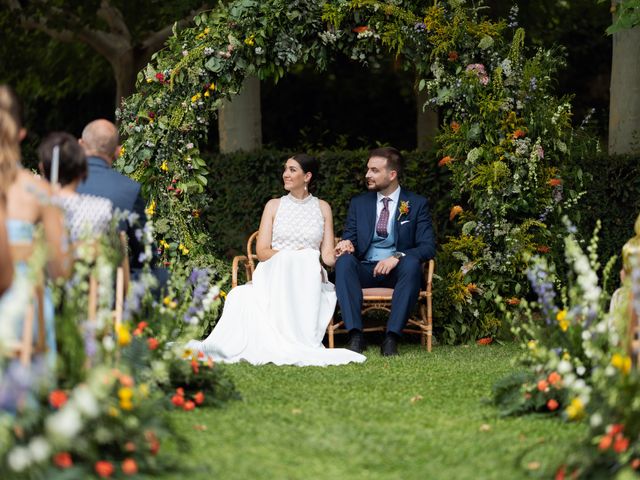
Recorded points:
(183, 249)
(206, 31)
(566, 356)
(151, 209)
(532, 344)
(562, 320)
(125, 394)
(124, 336)
(621, 362)
(113, 412)
(212, 86)
(223, 294)
(196, 97)
(250, 40)
(187, 353)
(144, 390)
(149, 80)
(575, 410)
(164, 244)
(122, 150)
(207, 94)
(126, 405)
(164, 167)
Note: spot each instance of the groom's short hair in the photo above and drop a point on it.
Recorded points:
(393, 156)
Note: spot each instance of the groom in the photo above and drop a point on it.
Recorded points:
(387, 236)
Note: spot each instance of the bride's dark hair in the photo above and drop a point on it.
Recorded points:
(310, 165)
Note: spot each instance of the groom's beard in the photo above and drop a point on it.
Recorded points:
(376, 187)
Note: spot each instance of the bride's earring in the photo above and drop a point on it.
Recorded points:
(305, 186)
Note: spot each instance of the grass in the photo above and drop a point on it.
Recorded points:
(416, 416)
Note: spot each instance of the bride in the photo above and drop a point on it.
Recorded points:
(281, 317)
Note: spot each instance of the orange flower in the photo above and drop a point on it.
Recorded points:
(554, 182)
(196, 214)
(615, 429)
(554, 378)
(57, 398)
(484, 341)
(152, 343)
(635, 463)
(621, 443)
(180, 391)
(63, 460)
(519, 134)
(177, 400)
(194, 366)
(472, 288)
(543, 385)
(445, 161)
(513, 301)
(453, 56)
(455, 126)
(129, 466)
(130, 447)
(560, 473)
(360, 29)
(189, 405)
(199, 398)
(605, 443)
(455, 210)
(104, 469)
(543, 249)
(552, 404)
(126, 381)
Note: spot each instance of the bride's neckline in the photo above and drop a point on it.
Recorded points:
(297, 200)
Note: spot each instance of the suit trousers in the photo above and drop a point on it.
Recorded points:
(353, 275)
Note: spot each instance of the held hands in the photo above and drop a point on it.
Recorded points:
(344, 246)
(384, 267)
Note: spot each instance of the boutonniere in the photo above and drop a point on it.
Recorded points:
(403, 209)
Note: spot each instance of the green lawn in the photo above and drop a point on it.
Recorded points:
(416, 416)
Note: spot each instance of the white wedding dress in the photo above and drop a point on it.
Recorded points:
(281, 317)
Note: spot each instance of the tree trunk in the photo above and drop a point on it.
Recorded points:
(124, 71)
(240, 119)
(426, 122)
(624, 104)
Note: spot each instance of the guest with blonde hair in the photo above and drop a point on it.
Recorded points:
(9, 156)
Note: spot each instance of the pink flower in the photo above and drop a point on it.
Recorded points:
(480, 72)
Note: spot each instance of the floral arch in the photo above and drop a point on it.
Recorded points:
(504, 134)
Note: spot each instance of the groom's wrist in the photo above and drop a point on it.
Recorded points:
(398, 255)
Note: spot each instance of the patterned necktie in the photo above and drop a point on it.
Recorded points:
(381, 226)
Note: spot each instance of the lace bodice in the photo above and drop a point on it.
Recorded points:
(298, 224)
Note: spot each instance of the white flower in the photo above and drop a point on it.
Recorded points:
(581, 370)
(39, 449)
(609, 371)
(108, 343)
(596, 420)
(85, 401)
(65, 423)
(19, 459)
(586, 335)
(564, 367)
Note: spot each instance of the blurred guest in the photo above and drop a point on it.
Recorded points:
(100, 143)
(29, 204)
(9, 155)
(86, 215)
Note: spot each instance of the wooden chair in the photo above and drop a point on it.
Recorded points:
(122, 284)
(380, 299)
(373, 298)
(25, 348)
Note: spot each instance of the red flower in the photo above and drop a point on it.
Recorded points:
(177, 400)
(453, 56)
(554, 378)
(560, 473)
(455, 126)
(189, 405)
(484, 341)
(160, 77)
(445, 161)
(200, 354)
(513, 301)
(552, 404)
(199, 398)
(519, 133)
(605, 442)
(154, 444)
(615, 429)
(554, 182)
(129, 466)
(543, 385)
(57, 398)
(180, 391)
(360, 29)
(635, 463)
(543, 249)
(152, 115)
(152, 343)
(621, 443)
(63, 460)
(130, 447)
(104, 469)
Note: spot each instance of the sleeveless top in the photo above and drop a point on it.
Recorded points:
(298, 224)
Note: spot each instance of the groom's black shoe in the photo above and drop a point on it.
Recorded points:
(357, 342)
(389, 347)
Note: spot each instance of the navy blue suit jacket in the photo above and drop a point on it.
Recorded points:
(414, 231)
(124, 193)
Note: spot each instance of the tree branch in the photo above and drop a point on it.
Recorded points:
(114, 18)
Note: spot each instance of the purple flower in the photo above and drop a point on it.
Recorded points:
(538, 278)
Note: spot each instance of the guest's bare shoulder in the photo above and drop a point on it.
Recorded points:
(34, 183)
